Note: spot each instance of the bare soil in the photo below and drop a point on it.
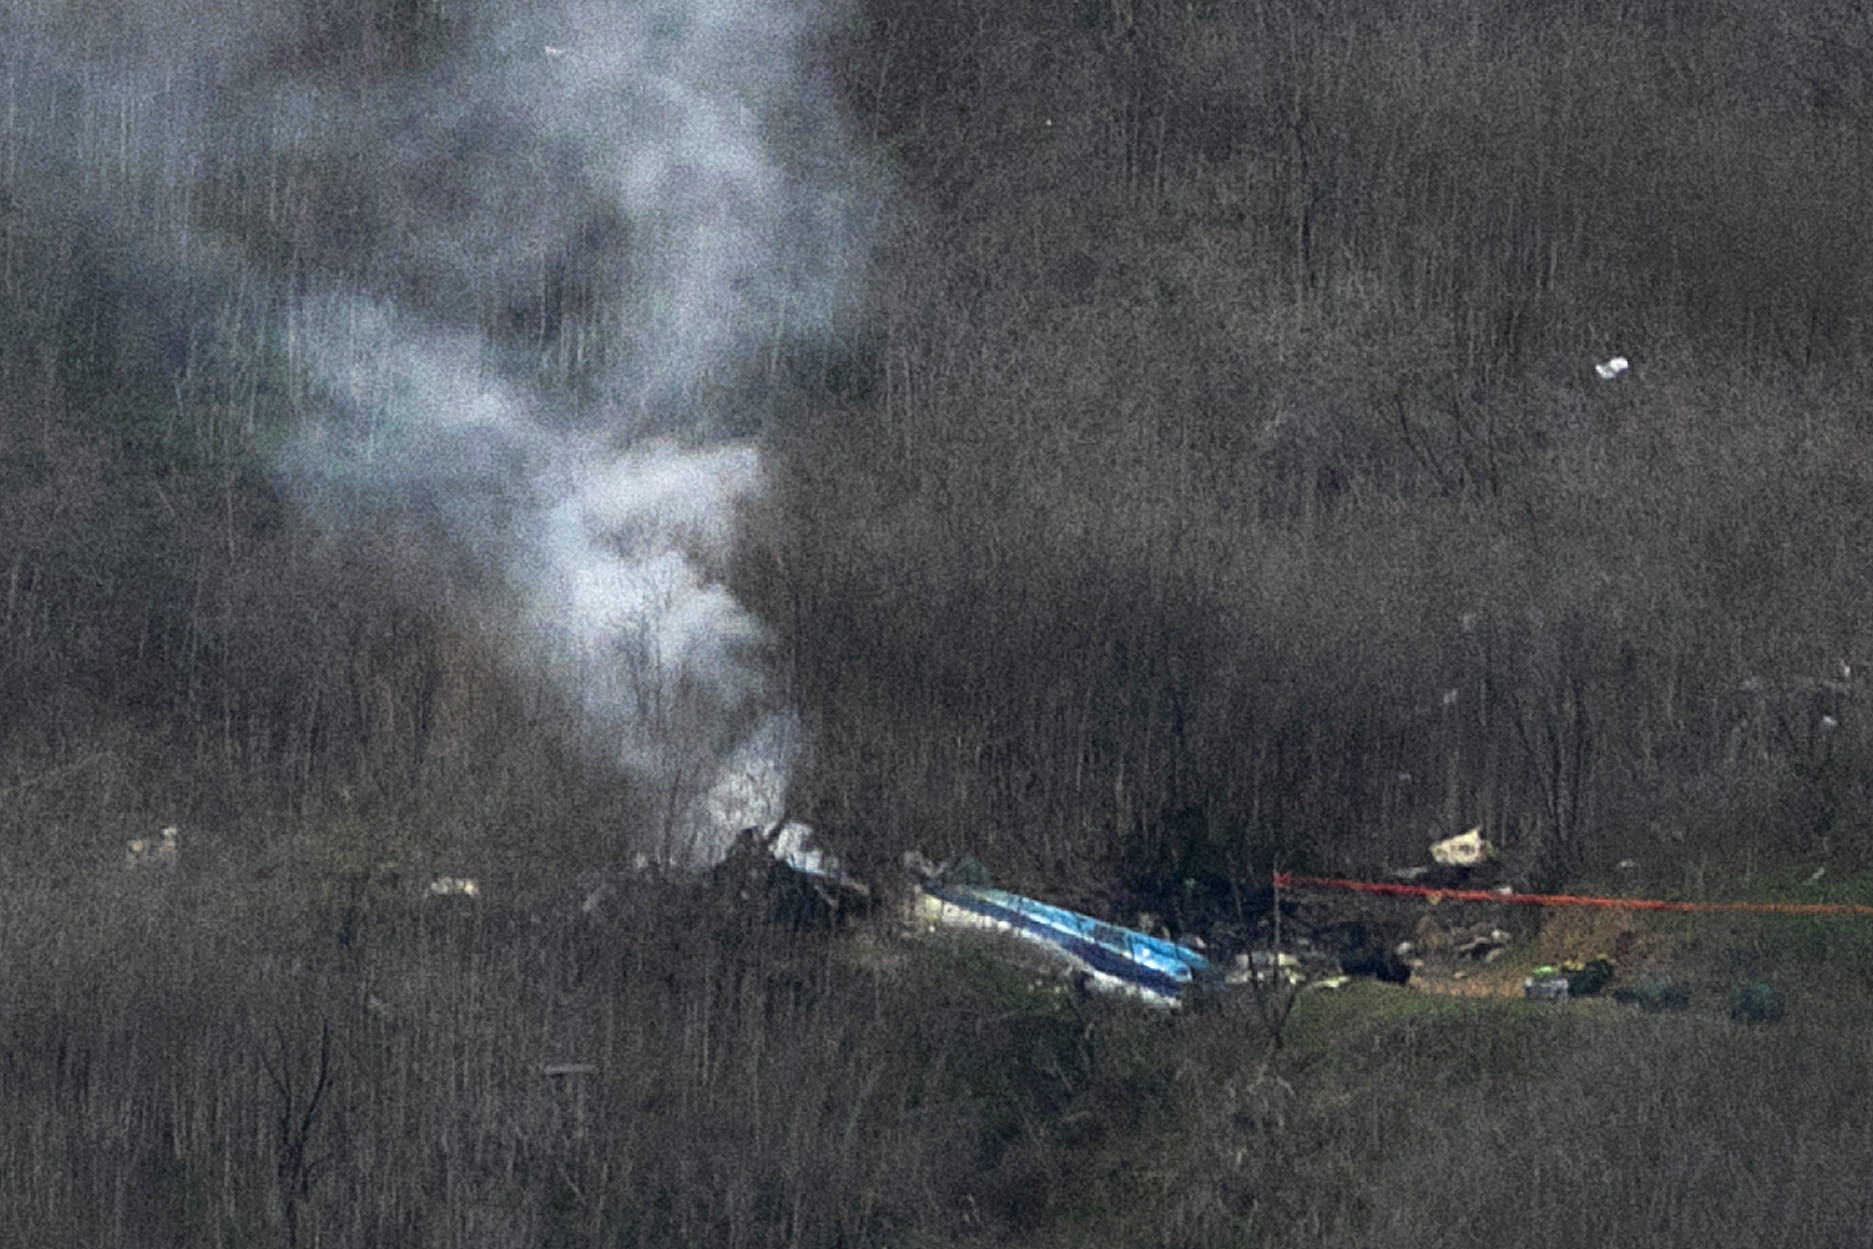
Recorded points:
(1440, 932)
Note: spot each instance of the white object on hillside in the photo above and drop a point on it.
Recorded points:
(1263, 967)
(1467, 850)
(794, 844)
(145, 852)
(1610, 369)
(454, 887)
(597, 891)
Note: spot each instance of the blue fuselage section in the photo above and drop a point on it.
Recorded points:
(1149, 965)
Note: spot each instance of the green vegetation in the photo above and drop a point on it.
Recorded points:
(1213, 476)
(168, 1056)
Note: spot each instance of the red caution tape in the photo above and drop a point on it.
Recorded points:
(1287, 880)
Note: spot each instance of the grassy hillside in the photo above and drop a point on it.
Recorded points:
(204, 1062)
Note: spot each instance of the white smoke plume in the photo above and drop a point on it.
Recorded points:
(677, 163)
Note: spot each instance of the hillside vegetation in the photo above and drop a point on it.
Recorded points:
(1211, 474)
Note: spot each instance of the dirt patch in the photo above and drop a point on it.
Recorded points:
(1501, 979)
(1475, 949)
(1814, 963)
(1453, 954)
(1626, 937)
(1553, 936)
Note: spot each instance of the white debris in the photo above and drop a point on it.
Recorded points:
(1610, 369)
(795, 845)
(1484, 946)
(1467, 850)
(1264, 966)
(145, 852)
(454, 886)
(1547, 989)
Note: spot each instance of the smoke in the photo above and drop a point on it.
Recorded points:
(521, 263)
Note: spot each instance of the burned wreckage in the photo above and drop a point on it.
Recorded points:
(784, 868)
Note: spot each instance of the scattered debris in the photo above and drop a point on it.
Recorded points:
(805, 885)
(1545, 984)
(454, 887)
(144, 852)
(1265, 967)
(1484, 947)
(1354, 947)
(1453, 934)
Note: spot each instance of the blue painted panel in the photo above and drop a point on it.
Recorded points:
(1149, 963)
